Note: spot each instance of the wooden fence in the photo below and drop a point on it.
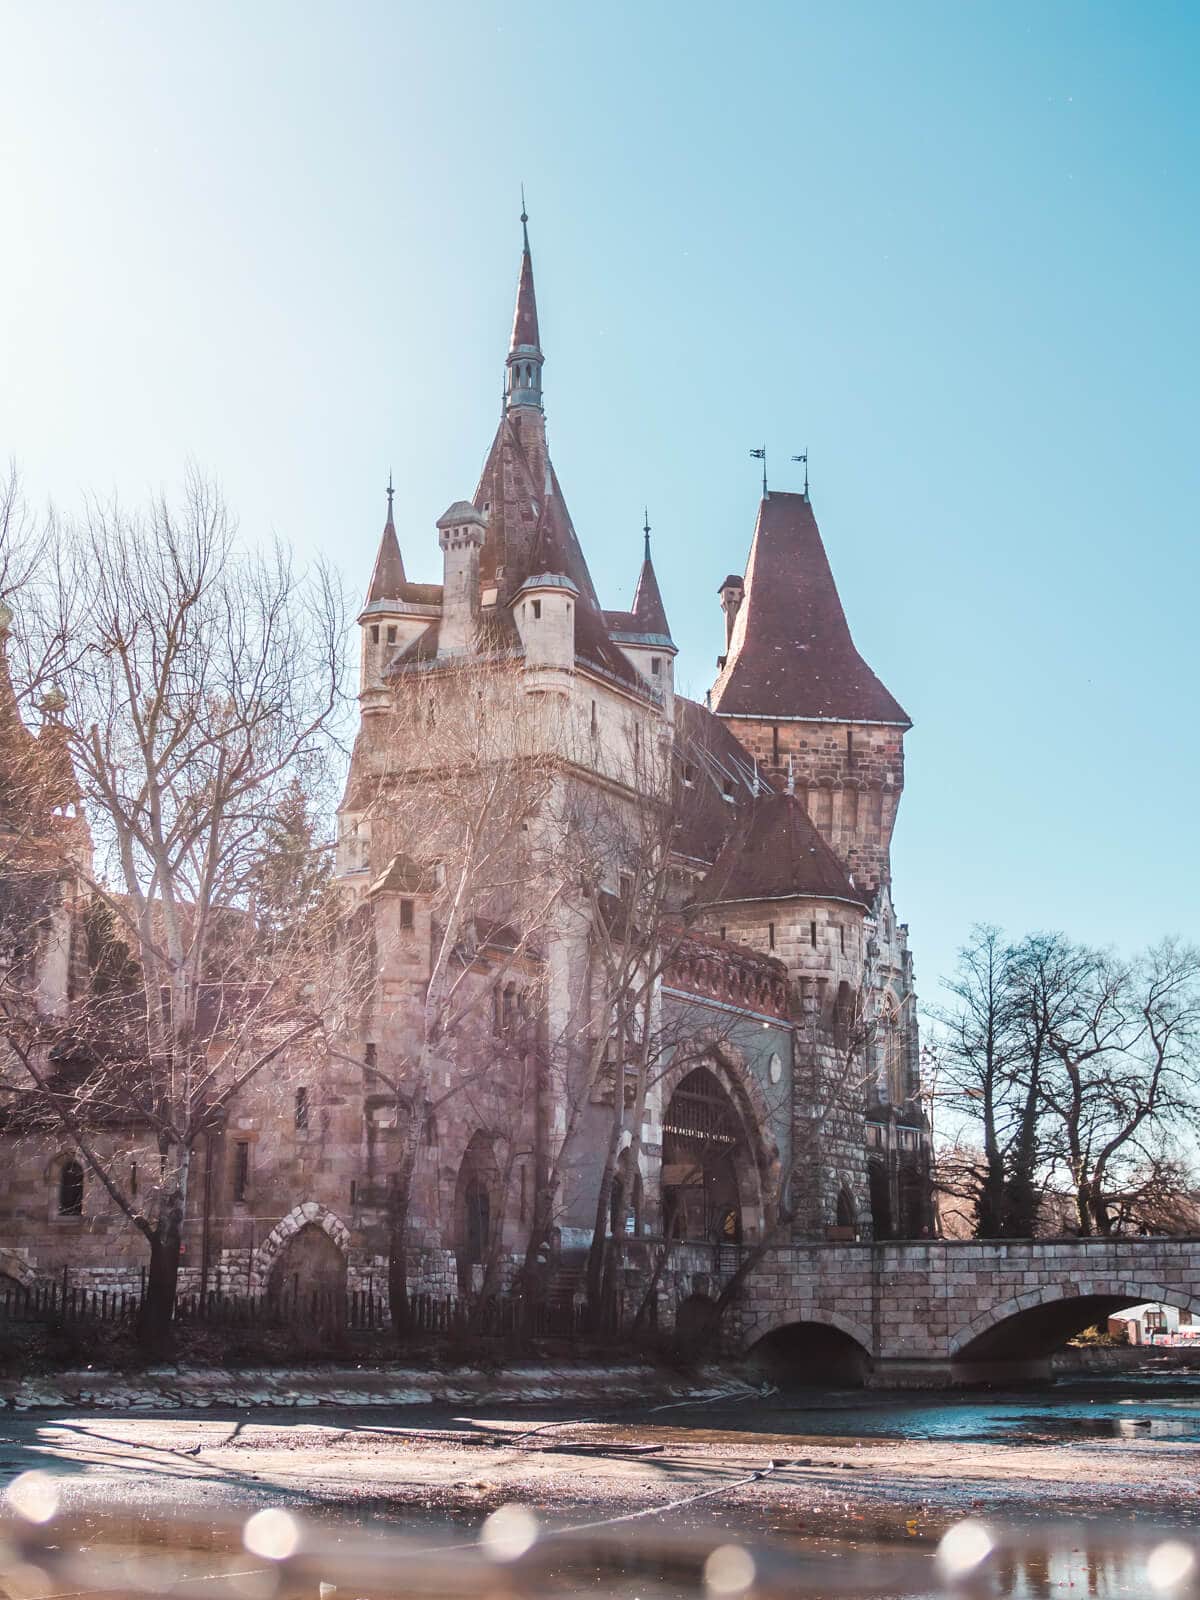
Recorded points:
(311, 1312)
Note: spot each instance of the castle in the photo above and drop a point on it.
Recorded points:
(782, 1098)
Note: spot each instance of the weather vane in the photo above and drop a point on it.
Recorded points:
(761, 455)
(646, 528)
(804, 458)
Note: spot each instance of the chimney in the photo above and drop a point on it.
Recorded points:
(731, 592)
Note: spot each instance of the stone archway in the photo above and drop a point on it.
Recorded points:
(1032, 1325)
(309, 1213)
(757, 1162)
(814, 1348)
(310, 1267)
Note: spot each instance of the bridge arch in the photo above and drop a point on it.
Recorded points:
(810, 1346)
(1039, 1321)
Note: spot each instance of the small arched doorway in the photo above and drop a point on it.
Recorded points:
(704, 1145)
(309, 1275)
(475, 1209)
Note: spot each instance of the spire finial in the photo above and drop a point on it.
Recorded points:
(761, 455)
(524, 220)
(804, 459)
(646, 529)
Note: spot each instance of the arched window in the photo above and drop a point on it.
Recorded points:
(70, 1190)
(847, 1211)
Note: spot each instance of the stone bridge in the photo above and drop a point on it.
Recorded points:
(928, 1314)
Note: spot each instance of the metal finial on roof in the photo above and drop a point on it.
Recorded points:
(646, 529)
(804, 458)
(761, 455)
(390, 492)
(524, 218)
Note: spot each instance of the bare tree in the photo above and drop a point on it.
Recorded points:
(1122, 1039)
(1073, 1067)
(991, 1045)
(199, 683)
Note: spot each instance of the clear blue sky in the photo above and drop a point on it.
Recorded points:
(951, 249)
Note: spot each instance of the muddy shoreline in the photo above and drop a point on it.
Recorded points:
(759, 1467)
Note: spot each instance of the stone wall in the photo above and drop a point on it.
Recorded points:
(849, 775)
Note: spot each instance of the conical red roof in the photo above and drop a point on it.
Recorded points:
(791, 654)
(388, 577)
(648, 605)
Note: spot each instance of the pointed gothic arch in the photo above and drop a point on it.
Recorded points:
(309, 1212)
(750, 1183)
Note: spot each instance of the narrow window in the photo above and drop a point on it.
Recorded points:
(656, 665)
(722, 935)
(406, 916)
(537, 610)
(241, 1169)
(374, 633)
(812, 934)
(637, 738)
(133, 1189)
(842, 937)
(369, 1055)
(524, 1181)
(771, 934)
(353, 1191)
(70, 1190)
(391, 637)
(689, 773)
(594, 722)
(302, 1108)
(626, 886)
(775, 745)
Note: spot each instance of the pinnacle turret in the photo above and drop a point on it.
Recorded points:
(648, 605)
(388, 577)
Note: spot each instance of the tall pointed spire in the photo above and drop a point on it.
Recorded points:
(523, 386)
(388, 576)
(648, 605)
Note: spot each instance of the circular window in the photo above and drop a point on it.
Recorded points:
(775, 1068)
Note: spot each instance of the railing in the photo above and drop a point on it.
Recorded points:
(313, 1310)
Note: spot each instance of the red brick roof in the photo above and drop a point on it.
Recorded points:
(775, 853)
(791, 654)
